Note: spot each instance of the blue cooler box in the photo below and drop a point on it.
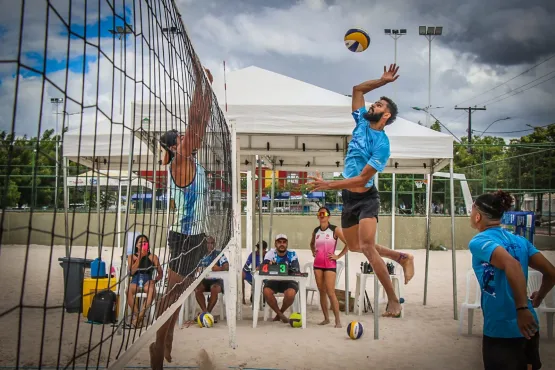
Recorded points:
(520, 223)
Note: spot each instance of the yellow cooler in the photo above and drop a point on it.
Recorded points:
(91, 286)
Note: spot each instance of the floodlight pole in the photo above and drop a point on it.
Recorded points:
(430, 33)
(56, 101)
(395, 34)
(121, 32)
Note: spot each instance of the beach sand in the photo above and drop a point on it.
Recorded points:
(426, 338)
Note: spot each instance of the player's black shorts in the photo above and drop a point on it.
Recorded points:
(207, 284)
(357, 206)
(186, 251)
(511, 353)
(281, 286)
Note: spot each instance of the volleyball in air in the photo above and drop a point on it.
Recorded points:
(205, 320)
(357, 40)
(355, 330)
(295, 320)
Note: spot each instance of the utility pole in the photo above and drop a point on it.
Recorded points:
(470, 110)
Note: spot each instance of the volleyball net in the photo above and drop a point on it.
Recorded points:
(111, 94)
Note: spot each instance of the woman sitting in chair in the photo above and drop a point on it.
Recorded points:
(323, 244)
(142, 264)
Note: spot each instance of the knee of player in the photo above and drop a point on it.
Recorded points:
(215, 289)
(290, 293)
(268, 291)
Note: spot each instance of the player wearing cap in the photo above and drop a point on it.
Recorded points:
(189, 190)
(289, 288)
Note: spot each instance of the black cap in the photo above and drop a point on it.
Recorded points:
(169, 139)
(264, 245)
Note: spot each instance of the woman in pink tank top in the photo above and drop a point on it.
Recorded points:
(323, 244)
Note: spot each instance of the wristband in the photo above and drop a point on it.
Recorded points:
(522, 308)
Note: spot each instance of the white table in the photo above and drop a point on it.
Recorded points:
(258, 280)
(361, 288)
(188, 307)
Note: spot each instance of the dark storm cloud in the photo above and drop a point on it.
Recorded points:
(502, 32)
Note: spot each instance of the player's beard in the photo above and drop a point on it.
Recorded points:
(373, 117)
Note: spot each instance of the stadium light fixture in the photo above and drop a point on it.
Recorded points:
(430, 33)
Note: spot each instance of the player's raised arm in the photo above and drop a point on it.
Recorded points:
(199, 113)
(365, 87)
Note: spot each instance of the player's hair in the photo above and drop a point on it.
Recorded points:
(493, 205)
(137, 239)
(393, 110)
(326, 208)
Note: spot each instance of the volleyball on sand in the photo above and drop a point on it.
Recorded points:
(295, 320)
(205, 320)
(357, 40)
(355, 330)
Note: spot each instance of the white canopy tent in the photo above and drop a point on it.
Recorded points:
(301, 127)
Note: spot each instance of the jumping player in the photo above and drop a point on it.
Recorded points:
(189, 189)
(501, 260)
(368, 154)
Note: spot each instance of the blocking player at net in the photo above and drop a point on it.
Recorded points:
(189, 190)
(367, 154)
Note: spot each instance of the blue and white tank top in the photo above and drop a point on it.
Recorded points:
(191, 204)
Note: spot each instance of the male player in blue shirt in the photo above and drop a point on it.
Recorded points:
(368, 154)
(501, 260)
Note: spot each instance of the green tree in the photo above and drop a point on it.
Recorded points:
(436, 126)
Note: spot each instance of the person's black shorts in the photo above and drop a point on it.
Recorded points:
(511, 353)
(281, 286)
(186, 251)
(357, 206)
(207, 283)
(326, 269)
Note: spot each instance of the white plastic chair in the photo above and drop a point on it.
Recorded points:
(534, 283)
(312, 287)
(468, 305)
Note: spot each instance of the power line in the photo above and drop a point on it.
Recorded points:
(509, 80)
(519, 92)
(512, 132)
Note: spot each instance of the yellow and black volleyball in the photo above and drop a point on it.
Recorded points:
(355, 330)
(357, 40)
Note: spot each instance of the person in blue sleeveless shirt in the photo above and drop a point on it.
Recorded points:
(214, 286)
(189, 190)
(368, 153)
(247, 267)
(289, 288)
(500, 260)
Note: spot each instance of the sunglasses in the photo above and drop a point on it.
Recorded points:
(322, 214)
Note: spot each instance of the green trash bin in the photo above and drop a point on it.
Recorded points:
(74, 274)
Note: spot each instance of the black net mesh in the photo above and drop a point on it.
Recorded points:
(112, 122)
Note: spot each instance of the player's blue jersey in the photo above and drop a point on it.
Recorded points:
(207, 260)
(498, 304)
(368, 146)
(290, 258)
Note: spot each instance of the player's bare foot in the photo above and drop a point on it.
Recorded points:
(168, 348)
(393, 309)
(284, 318)
(407, 263)
(156, 360)
(338, 324)
(325, 322)
(277, 318)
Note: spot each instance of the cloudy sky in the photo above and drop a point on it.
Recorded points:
(497, 53)
(484, 44)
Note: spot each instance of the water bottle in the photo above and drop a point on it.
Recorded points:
(141, 282)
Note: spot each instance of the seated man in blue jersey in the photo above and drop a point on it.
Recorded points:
(247, 273)
(289, 288)
(214, 286)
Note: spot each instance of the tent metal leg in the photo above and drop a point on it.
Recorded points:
(428, 222)
(454, 248)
